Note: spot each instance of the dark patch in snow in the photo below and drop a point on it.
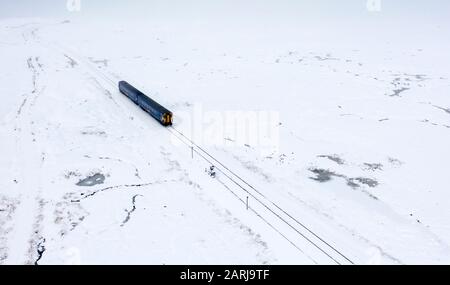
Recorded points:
(334, 158)
(373, 166)
(447, 110)
(322, 175)
(394, 161)
(363, 180)
(404, 82)
(131, 211)
(40, 250)
(397, 92)
(72, 63)
(82, 196)
(325, 175)
(92, 180)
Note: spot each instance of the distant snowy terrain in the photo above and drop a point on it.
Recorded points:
(359, 173)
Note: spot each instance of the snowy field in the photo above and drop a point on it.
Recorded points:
(353, 168)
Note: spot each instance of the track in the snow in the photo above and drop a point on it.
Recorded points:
(297, 228)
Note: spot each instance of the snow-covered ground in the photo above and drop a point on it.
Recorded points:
(357, 104)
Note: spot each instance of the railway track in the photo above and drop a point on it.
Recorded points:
(290, 228)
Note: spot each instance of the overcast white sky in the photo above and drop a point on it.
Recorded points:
(405, 21)
(436, 9)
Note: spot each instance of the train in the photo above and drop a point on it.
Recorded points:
(158, 112)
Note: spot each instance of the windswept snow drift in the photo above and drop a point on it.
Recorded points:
(362, 161)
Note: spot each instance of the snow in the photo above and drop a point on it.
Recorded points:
(348, 163)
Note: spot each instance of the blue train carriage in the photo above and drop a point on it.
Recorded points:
(158, 112)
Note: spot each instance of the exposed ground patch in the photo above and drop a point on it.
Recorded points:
(333, 157)
(8, 207)
(372, 166)
(399, 91)
(131, 210)
(70, 61)
(92, 180)
(325, 175)
(36, 247)
(68, 215)
(405, 82)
